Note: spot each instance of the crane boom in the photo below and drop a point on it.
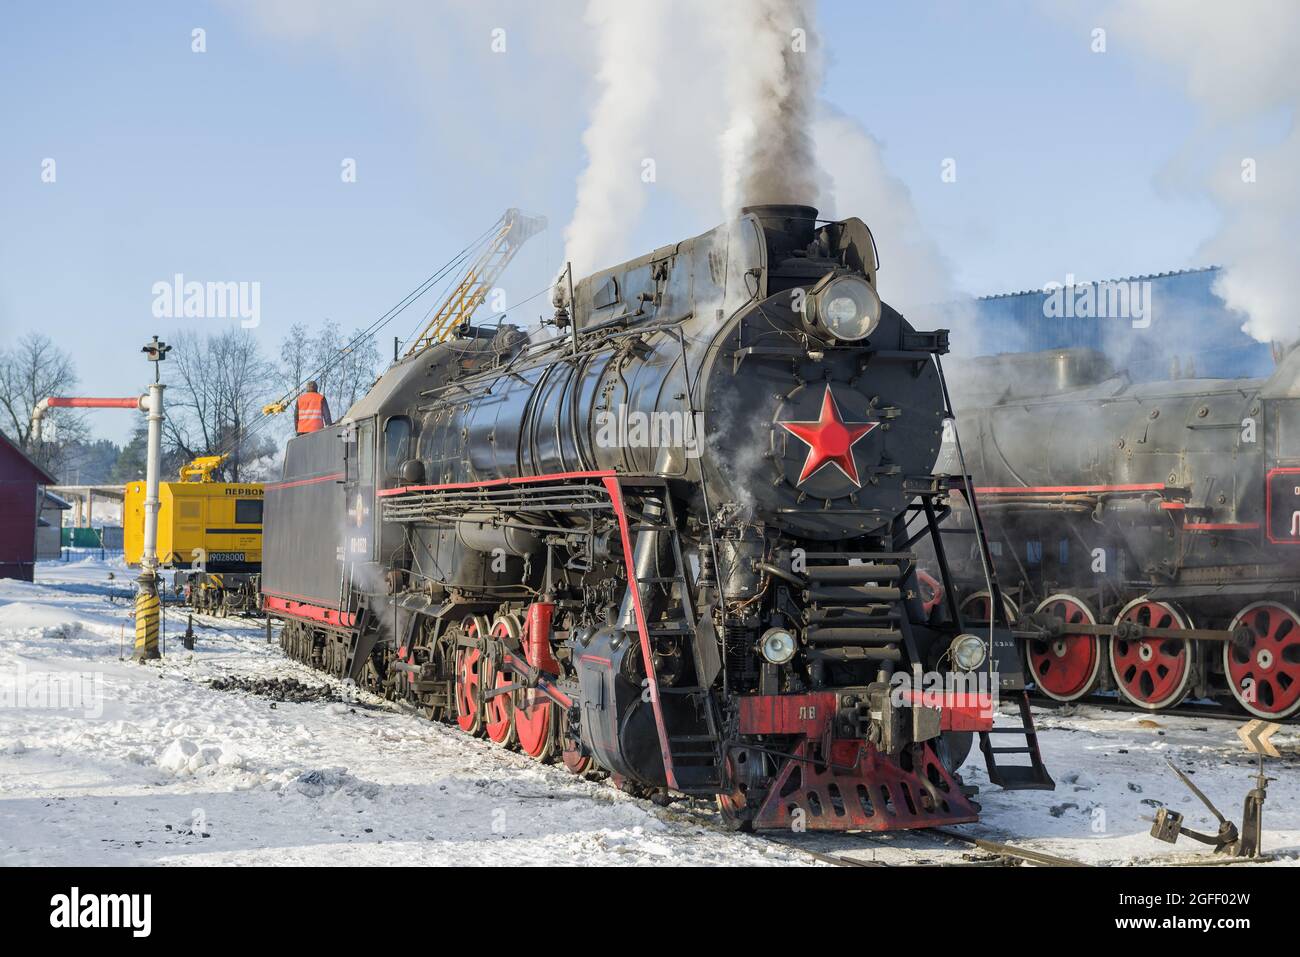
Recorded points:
(511, 231)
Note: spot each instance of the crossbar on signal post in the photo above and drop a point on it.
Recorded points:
(148, 607)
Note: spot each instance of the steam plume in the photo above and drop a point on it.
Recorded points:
(632, 40)
(1239, 67)
(771, 84)
(913, 271)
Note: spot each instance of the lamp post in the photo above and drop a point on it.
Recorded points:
(148, 607)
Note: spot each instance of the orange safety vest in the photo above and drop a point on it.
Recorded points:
(311, 412)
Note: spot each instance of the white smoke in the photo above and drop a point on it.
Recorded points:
(1241, 66)
(720, 96)
(772, 75)
(913, 271)
(632, 46)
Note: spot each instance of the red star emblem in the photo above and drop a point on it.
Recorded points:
(830, 440)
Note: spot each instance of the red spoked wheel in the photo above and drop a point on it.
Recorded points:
(575, 761)
(499, 723)
(1265, 677)
(1153, 673)
(469, 689)
(535, 724)
(1065, 667)
(976, 607)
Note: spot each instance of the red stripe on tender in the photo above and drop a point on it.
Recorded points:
(1068, 489)
(308, 612)
(332, 477)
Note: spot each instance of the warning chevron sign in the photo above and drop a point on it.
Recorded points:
(1255, 736)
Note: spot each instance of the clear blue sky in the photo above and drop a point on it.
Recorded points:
(225, 165)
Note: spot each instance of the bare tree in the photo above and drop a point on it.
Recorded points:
(34, 369)
(217, 385)
(296, 355)
(344, 367)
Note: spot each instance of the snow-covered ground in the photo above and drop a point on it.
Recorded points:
(150, 765)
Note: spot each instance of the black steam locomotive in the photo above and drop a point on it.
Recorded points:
(672, 539)
(1150, 532)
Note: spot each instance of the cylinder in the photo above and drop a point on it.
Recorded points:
(483, 536)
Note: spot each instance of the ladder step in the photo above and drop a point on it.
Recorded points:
(821, 634)
(1019, 777)
(1020, 730)
(693, 738)
(656, 628)
(1012, 750)
(890, 624)
(854, 573)
(711, 755)
(838, 612)
(658, 579)
(856, 653)
(853, 593)
(682, 690)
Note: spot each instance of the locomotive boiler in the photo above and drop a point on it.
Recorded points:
(1149, 532)
(671, 538)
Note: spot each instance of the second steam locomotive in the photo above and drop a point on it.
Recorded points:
(1148, 534)
(676, 539)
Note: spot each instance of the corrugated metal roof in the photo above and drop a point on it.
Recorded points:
(1094, 282)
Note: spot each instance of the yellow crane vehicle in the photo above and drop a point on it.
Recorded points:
(209, 535)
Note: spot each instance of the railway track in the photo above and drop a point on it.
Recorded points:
(932, 847)
(1207, 711)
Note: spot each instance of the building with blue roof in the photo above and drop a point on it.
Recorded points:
(1168, 325)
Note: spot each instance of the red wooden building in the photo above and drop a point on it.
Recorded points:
(20, 479)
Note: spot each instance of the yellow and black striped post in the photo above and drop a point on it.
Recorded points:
(147, 611)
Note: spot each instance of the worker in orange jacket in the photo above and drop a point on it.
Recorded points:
(312, 412)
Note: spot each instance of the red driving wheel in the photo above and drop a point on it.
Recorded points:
(1265, 676)
(535, 723)
(499, 724)
(1153, 673)
(1065, 666)
(576, 762)
(469, 691)
(976, 608)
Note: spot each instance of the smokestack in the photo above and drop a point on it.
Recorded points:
(795, 225)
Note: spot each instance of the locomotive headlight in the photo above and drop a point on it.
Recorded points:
(846, 307)
(777, 646)
(968, 652)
